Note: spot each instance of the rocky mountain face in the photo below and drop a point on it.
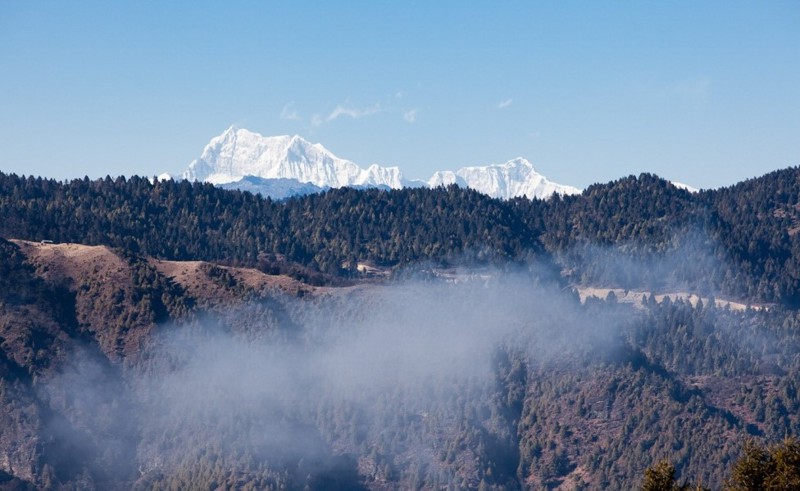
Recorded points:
(238, 156)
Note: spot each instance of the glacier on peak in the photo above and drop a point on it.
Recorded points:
(446, 178)
(515, 178)
(687, 187)
(238, 153)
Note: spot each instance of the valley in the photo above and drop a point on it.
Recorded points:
(175, 335)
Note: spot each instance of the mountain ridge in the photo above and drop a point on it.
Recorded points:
(621, 372)
(238, 153)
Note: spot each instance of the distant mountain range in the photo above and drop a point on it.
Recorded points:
(283, 166)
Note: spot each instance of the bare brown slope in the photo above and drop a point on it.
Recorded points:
(103, 287)
(119, 300)
(74, 263)
(211, 283)
(91, 303)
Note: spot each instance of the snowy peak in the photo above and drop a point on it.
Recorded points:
(389, 176)
(237, 153)
(445, 178)
(687, 187)
(515, 178)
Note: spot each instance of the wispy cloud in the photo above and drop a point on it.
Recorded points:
(289, 112)
(410, 116)
(316, 120)
(697, 88)
(504, 103)
(353, 112)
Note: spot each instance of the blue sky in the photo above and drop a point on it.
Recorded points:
(706, 93)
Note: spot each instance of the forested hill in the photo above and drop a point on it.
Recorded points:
(144, 349)
(739, 241)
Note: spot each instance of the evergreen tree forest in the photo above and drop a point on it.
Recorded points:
(158, 362)
(739, 241)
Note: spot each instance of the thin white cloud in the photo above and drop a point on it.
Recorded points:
(504, 103)
(410, 116)
(316, 120)
(697, 88)
(352, 112)
(289, 112)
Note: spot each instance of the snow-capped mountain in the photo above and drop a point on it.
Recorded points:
(277, 166)
(514, 178)
(687, 187)
(237, 153)
(446, 178)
